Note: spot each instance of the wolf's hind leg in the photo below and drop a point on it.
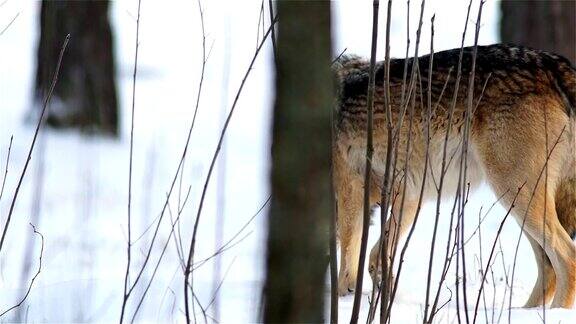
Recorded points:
(514, 145)
(545, 285)
(562, 254)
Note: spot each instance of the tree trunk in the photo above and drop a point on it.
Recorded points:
(547, 25)
(85, 95)
(298, 220)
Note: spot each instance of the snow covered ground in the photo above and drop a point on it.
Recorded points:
(75, 191)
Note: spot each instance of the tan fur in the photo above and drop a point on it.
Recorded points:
(525, 107)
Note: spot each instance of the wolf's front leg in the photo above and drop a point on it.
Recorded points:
(348, 187)
(350, 234)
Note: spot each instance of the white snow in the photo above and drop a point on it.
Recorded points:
(81, 182)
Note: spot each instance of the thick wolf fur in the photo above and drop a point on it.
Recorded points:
(527, 104)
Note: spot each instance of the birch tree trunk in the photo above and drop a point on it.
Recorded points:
(547, 25)
(85, 95)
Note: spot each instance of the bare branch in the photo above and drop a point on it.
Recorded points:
(368, 167)
(6, 169)
(271, 12)
(220, 285)
(44, 108)
(9, 24)
(428, 316)
(129, 244)
(339, 56)
(188, 271)
(33, 278)
(492, 253)
(180, 163)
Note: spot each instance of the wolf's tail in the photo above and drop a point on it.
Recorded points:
(566, 205)
(564, 79)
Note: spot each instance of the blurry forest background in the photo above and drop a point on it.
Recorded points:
(196, 63)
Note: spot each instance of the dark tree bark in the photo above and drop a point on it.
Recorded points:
(298, 223)
(547, 25)
(85, 95)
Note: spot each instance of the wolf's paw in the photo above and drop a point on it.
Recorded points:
(346, 285)
(375, 273)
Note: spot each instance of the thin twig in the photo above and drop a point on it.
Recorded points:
(33, 278)
(492, 252)
(164, 248)
(188, 271)
(524, 220)
(481, 259)
(481, 221)
(368, 167)
(215, 295)
(464, 155)
(429, 279)
(507, 284)
(339, 56)
(173, 222)
(260, 23)
(543, 256)
(180, 164)
(6, 168)
(44, 108)
(407, 98)
(420, 199)
(9, 24)
(229, 244)
(219, 223)
(129, 243)
(271, 12)
(428, 316)
(384, 192)
(203, 309)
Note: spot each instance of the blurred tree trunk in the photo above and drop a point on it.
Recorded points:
(547, 25)
(298, 220)
(85, 95)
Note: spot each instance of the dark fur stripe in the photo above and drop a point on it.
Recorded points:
(512, 67)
